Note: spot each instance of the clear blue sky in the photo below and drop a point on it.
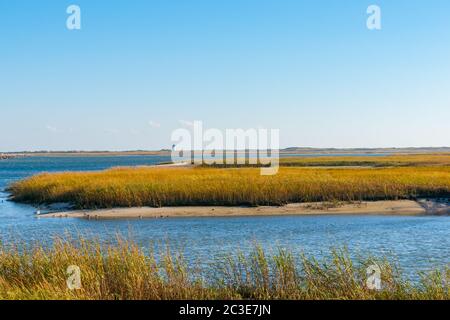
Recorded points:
(310, 68)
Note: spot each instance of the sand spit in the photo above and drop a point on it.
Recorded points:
(399, 207)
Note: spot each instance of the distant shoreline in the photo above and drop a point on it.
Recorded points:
(287, 151)
(391, 207)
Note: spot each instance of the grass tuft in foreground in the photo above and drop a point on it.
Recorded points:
(124, 271)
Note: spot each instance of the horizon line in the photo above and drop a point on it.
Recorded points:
(227, 150)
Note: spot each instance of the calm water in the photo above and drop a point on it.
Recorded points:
(418, 243)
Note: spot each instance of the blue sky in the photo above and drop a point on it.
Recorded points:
(137, 70)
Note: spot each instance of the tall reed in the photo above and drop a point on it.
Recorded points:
(125, 271)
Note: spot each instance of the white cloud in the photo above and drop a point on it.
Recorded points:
(186, 123)
(111, 131)
(154, 124)
(51, 128)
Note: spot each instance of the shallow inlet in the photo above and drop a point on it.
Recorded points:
(419, 243)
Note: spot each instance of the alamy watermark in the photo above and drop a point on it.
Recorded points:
(373, 281)
(73, 21)
(73, 280)
(232, 146)
(374, 20)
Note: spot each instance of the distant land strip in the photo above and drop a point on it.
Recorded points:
(290, 150)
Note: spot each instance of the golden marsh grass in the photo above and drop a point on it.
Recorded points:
(172, 186)
(411, 160)
(124, 271)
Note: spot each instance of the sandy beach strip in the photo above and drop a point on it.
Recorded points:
(399, 207)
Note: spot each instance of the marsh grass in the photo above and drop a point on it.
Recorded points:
(174, 186)
(417, 160)
(411, 160)
(125, 271)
